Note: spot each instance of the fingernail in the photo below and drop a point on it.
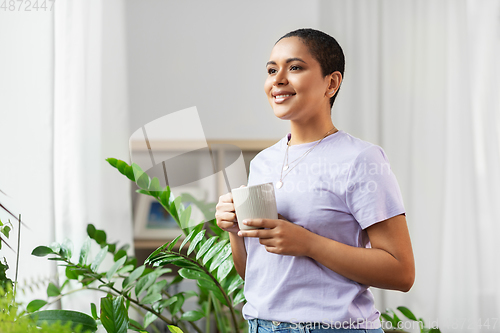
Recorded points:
(245, 221)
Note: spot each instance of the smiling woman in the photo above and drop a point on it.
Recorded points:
(341, 226)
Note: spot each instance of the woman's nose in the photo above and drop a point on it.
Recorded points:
(280, 78)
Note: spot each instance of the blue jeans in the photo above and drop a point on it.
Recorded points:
(267, 326)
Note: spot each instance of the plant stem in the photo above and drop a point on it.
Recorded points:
(17, 256)
(207, 315)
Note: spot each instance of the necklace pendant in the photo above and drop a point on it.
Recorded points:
(285, 167)
(279, 184)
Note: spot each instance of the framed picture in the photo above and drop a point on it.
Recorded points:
(152, 221)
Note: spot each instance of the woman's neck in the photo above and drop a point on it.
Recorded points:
(302, 133)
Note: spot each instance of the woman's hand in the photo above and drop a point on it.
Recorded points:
(281, 237)
(225, 213)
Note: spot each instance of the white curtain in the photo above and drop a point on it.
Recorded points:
(422, 81)
(90, 125)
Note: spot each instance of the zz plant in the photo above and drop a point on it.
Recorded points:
(206, 258)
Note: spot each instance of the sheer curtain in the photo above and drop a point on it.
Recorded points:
(90, 124)
(422, 81)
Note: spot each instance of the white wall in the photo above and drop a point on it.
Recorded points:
(26, 90)
(210, 55)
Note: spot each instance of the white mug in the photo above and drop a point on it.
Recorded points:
(254, 202)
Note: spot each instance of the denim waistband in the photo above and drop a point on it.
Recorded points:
(305, 327)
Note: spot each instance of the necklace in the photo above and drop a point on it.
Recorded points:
(279, 184)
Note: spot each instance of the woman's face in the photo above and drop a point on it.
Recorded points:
(295, 86)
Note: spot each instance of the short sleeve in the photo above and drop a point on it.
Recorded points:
(372, 190)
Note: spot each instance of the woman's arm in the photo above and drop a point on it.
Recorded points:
(239, 254)
(389, 264)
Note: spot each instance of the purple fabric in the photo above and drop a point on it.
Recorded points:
(339, 188)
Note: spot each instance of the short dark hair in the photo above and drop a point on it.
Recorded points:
(324, 48)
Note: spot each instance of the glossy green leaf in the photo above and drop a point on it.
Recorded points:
(129, 280)
(55, 246)
(193, 274)
(185, 215)
(148, 319)
(66, 250)
(195, 241)
(187, 239)
(42, 251)
(174, 329)
(157, 287)
(220, 257)
(70, 273)
(208, 244)
(177, 305)
(192, 316)
(84, 252)
(238, 298)
(209, 285)
(115, 267)
(407, 313)
(164, 303)
(111, 247)
(172, 243)
(125, 269)
(141, 191)
(388, 318)
(143, 181)
(214, 250)
(112, 161)
(136, 326)
(144, 282)
(98, 259)
(236, 281)
(35, 305)
(165, 197)
(114, 315)
(121, 166)
(174, 208)
(5, 230)
(137, 170)
(155, 253)
(150, 299)
(93, 310)
(91, 230)
(52, 290)
(100, 237)
(155, 186)
(75, 318)
(224, 269)
(120, 254)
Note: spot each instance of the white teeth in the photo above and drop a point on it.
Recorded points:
(282, 96)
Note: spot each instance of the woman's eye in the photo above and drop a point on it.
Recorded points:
(271, 71)
(294, 67)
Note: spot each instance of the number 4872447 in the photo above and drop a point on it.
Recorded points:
(27, 5)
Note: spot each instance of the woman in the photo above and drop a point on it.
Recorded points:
(341, 226)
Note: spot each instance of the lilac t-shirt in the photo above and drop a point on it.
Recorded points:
(338, 189)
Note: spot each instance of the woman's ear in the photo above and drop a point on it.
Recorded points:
(334, 81)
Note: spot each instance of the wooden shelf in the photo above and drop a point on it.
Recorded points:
(189, 145)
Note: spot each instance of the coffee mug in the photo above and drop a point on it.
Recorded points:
(254, 202)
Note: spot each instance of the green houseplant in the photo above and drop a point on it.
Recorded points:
(397, 325)
(207, 259)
